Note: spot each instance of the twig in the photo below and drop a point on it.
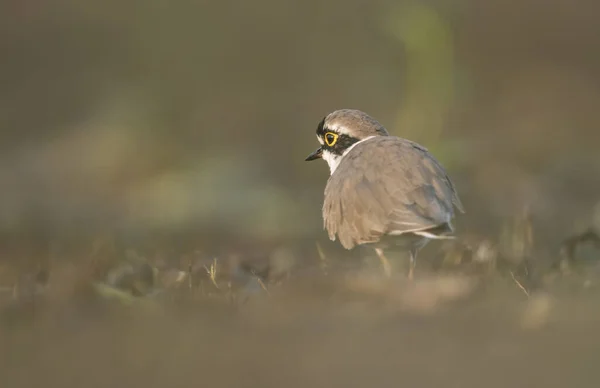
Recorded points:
(190, 280)
(212, 272)
(519, 283)
(263, 285)
(322, 258)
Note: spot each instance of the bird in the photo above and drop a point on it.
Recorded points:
(383, 191)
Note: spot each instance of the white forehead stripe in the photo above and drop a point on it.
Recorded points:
(341, 129)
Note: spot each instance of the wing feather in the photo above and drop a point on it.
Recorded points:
(403, 189)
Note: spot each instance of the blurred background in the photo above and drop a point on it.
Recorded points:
(163, 130)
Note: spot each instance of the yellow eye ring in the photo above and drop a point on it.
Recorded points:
(330, 138)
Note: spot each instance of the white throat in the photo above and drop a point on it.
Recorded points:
(334, 160)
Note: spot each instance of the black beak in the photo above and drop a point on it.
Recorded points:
(318, 154)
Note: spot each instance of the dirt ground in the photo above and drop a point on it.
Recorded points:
(320, 328)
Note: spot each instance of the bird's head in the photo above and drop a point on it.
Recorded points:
(340, 131)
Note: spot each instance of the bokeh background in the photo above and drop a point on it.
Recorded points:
(163, 130)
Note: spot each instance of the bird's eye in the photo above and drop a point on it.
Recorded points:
(331, 138)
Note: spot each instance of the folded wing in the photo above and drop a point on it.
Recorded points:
(402, 189)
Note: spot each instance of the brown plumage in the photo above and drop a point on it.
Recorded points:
(383, 190)
(401, 190)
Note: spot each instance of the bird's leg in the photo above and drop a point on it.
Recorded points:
(412, 264)
(387, 269)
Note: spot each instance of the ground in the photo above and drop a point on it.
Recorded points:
(330, 323)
